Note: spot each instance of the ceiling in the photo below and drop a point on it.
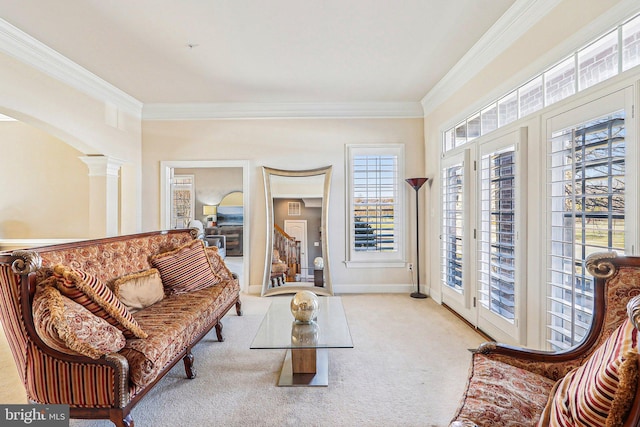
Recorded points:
(276, 51)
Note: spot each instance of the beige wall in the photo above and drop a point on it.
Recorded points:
(283, 144)
(77, 119)
(51, 200)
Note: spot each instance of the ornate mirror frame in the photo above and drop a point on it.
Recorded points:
(268, 173)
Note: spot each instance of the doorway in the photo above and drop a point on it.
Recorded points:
(298, 229)
(167, 169)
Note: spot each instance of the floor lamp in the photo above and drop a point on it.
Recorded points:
(416, 183)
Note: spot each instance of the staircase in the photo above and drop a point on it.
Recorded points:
(289, 249)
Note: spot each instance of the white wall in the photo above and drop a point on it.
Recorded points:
(284, 144)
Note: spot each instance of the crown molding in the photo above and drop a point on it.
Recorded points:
(242, 110)
(515, 22)
(18, 44)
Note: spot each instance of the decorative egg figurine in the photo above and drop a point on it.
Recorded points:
(304, 306)
(318, 263)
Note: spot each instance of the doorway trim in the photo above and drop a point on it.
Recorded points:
(165, 188)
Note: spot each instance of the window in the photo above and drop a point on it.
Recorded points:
(560, 81)
(497, 245)
(595, 62)
(587, 215)
(452, 226)
(598, 61)
(376, 203)
(182, 200)
(294, 209)
(631, 44)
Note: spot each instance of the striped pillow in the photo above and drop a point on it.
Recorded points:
(185, 269)
(92, 294)
(584, 397)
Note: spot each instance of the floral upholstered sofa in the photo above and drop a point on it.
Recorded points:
(96, 324)
(594, 384)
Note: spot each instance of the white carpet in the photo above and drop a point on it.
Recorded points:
(408, 367)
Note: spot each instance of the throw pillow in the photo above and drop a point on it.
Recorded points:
(139, 290)
(585, 396)
(186, 268)
(626, 390)
(95, 296)
(70, 328)
(218, 264)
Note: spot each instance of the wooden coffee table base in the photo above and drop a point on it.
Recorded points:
(305, 367)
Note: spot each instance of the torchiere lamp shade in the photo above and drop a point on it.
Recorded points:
(416, 183)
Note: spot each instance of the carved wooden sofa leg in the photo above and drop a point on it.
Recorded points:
(189, 367)
(239, 308)
(120, 421)
(219, 331)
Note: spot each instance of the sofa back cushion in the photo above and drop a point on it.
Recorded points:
(113, 257)
(586, 395)
(185, 269)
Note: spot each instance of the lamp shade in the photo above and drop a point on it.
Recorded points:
(209, 210)
(416, 183)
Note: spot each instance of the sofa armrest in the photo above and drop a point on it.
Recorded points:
(120, 365)
(552, 365)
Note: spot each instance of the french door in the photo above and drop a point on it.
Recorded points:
(458, 291)
(501, 243)
(591, 195)
(483, 270)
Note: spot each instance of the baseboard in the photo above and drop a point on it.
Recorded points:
(358, 289)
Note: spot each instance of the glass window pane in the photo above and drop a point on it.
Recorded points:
(598, 61)
(531, 97)
(489, 118)
(375, 187)
(461, 134)
(452, 226)
(560, 81)
(631, 44)
(473, 127)
(508, 109)
(497, 233)
(448, 140)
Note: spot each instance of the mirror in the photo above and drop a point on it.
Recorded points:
(297, 255)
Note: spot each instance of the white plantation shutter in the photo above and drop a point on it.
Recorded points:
(587, 214)
(452, 226)
(375, 184)
(376, 202)
(497, 240)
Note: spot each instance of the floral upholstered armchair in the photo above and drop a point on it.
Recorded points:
(594, 384)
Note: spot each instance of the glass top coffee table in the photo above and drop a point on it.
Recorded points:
(306, 362)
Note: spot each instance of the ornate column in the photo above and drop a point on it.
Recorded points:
(104, 195)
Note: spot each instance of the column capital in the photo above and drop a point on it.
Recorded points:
(100, 165)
